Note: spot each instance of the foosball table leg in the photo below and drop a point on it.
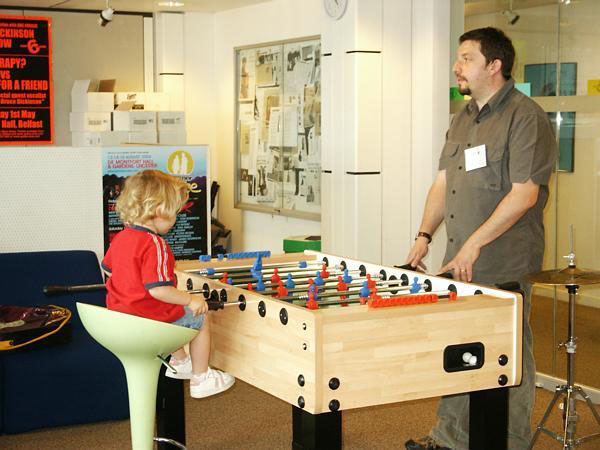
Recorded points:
(170, 410)
(488, 419)
(316, 431)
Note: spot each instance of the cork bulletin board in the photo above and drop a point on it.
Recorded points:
(278, 128)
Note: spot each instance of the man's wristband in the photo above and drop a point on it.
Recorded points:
(423, 234)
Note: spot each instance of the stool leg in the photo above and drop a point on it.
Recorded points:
(142, 380)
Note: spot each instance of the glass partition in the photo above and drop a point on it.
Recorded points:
(558, 65)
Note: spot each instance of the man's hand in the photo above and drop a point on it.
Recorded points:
(417, 253)
(511, 208)
(198, 305)
(462, 264)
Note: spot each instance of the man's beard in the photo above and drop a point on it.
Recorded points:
(464, 91)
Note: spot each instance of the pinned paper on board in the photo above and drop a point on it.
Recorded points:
(278, 111)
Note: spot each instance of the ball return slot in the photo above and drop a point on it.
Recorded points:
(464, 357)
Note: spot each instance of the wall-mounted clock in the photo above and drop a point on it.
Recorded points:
(335, 8)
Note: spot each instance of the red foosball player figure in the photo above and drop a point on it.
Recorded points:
(275, 278)
(224, 279)
(370, 283)
(312, 304)
(281, 290)
(341, 287)
(374, 299)
(324, 273)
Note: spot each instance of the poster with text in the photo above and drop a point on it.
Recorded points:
(26, 90)
(188, 238)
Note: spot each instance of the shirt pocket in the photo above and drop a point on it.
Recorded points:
(490, 176)
(448, 152)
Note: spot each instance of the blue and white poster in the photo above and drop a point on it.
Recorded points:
(190, 235)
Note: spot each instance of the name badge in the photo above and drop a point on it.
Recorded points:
(475, 158)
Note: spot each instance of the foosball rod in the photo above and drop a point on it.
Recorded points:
(249, 267)
(299, 279)
(330, 285)
(279, 271)
(345, 293)
(265, 273)
(301, 276)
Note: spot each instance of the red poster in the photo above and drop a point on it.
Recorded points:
(26, 90)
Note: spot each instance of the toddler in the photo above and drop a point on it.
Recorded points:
(141, 269)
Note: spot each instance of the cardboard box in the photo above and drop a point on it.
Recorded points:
(89, 121)
(170, 120)
(143, 137)
(90, 96)
(156, 101)
(98, 138)
(177, 137)
(138, 99)
(136, 120)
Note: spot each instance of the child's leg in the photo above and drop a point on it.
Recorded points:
(179, 355)
(200, 348)
(206, 381)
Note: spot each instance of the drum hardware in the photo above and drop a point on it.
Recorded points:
(570, 277)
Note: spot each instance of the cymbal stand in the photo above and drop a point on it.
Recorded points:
(570, 417)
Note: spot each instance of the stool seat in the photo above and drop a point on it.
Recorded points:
(138, 343)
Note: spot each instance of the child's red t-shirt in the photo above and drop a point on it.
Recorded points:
(139, 259)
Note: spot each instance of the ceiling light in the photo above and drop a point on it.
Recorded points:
(510, 16)
(171, 4)
(106, 15)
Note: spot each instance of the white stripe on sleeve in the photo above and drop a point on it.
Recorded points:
(165, 259)
(159, 257)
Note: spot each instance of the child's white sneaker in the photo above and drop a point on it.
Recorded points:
(183, 368)
(210, 382)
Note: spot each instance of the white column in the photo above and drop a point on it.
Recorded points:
(148, 54)
(169, 30)
(353, 46)
(397, 172)
(430, 108)
(385, 113)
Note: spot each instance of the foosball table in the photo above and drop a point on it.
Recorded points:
(326, 334)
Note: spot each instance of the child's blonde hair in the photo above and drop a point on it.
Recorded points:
(150, 194)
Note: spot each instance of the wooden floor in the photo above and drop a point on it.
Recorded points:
(246, 418)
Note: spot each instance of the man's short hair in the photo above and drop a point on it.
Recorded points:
(494, 45)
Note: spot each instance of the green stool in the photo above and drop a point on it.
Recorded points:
(297, 244)
(141, 345)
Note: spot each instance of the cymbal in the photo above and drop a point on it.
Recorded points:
(570, 276)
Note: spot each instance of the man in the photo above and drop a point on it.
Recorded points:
(490, 190)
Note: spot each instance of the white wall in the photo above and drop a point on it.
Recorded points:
(51, 199)
(83, 50)
(415, 36)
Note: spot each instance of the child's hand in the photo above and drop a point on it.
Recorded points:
(198, 305)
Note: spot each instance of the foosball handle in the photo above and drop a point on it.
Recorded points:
(214, 306)
(406, 267)
(61, 289)
(509, 286)
(446, 275)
